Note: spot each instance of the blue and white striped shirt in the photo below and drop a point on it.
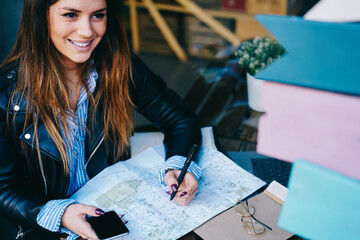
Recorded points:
(50, 216)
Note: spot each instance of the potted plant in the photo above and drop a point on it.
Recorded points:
(254, 56)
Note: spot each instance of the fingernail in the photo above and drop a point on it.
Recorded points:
(125, 221)
(183, 194)
(168, 193)
(174, 187)
(98, 211)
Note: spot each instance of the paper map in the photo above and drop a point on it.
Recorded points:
(132, 188)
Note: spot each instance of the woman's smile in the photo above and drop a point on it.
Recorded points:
(82, 46)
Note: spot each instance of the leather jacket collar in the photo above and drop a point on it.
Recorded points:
(46, 144)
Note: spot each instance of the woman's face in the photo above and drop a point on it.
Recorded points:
(76, 28)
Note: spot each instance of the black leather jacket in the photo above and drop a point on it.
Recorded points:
(24, 189)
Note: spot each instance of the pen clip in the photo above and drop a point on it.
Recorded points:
(192, 152)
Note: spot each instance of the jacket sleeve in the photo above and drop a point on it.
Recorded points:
(17, 204)
(165, 109)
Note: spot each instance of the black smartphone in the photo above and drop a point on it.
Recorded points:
(108, 226)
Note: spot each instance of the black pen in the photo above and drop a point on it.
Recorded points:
(184, 169)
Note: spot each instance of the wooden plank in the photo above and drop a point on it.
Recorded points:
(134, 26)
(214, 13)
(210, 21)
(165, 30)
(151, 38)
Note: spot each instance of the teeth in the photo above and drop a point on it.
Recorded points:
(80, 44)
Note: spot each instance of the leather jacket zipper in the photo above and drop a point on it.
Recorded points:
(92, 154)
(20, 234)
(43, 176)
(42, 169)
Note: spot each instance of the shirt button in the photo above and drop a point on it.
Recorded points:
(16, 108)
(27, 136)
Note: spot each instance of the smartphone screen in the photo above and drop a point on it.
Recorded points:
(108, 226)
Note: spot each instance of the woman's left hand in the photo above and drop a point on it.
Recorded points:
(186, 191)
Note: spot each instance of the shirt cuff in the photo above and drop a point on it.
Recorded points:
(177, 162)
(50, 216)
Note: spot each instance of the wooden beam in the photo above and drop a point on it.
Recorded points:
(165, 30)
(134, 26)
(214, 13)
(210, 21)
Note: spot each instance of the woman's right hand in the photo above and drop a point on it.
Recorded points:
(74, 219)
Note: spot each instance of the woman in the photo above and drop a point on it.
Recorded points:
(66, 92)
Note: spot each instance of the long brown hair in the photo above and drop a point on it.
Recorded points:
(41, 79)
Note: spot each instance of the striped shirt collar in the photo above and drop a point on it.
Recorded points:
(92, 76)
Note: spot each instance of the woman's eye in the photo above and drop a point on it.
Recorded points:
(69, 15)
(99, 15)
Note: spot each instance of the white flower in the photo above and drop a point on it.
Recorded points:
(258, 53)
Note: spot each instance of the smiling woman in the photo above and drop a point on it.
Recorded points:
(76, 28)
(66, 93)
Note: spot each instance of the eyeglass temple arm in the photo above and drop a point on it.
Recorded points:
(247, 209)
(261, 223)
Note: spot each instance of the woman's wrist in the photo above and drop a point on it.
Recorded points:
(176, 163)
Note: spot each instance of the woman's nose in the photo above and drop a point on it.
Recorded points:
(85, 28)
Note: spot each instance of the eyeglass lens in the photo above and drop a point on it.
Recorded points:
(246, 211)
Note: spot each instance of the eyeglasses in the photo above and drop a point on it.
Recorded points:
(250, 223)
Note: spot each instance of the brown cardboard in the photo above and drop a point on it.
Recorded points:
(228, 225)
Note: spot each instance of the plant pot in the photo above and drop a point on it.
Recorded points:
(254, 87)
